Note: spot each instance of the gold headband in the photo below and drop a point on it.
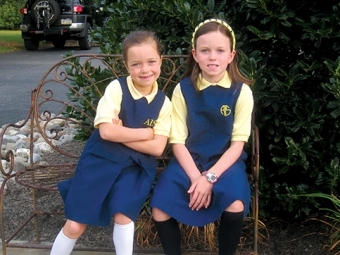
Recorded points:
(223, 23)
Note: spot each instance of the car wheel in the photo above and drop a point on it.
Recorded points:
(39, 8)
(85, 43)
(59, 43)
(31, 44)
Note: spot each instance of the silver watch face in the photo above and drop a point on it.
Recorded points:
(212, 177)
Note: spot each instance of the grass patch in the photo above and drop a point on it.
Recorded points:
(11, 41)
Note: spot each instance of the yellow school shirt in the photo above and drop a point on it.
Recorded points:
(110, 103)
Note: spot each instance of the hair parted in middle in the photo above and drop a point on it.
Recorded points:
(212, 25)
(222, 22)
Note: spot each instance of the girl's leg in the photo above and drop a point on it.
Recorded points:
(67, 237)
(230, 229)
(168, 232)
(123, 234)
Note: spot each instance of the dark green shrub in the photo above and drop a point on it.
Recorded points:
(297, 95)
(10, 17)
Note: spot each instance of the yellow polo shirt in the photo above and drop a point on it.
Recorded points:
(110, 104)
(242, 118)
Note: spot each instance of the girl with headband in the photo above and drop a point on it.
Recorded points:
(211, 121)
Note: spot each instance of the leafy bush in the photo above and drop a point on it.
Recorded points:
(297, 95)
(10, 17)
(291, 48)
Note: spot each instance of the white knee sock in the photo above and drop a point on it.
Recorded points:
(62, 245)
(123, 238)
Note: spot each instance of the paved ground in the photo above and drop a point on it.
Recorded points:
(21, 71)
(20, 251)
(33, 251)
(45, 250)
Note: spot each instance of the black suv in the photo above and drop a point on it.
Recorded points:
(56, 21)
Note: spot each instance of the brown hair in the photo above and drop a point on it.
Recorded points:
(139, 37)
(193, 70)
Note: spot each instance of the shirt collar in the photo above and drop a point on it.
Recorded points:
(137, 95)
(225, 82)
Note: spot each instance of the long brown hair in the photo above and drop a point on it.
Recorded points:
(193, 70)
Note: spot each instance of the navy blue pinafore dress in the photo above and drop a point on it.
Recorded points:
(109, 176)
(210, 122)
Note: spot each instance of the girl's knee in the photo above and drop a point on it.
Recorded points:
(159, 215)
(73, 229)
(236, 206)
(121, 219)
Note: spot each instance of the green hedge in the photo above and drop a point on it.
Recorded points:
(292, 50)
(10, 16)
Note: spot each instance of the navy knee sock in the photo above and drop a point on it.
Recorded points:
(170, 236)
(229, 232)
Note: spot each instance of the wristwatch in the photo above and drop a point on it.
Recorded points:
(212, 177)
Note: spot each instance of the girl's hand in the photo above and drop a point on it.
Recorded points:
(200, 193)
(117, 120)
(150, 134)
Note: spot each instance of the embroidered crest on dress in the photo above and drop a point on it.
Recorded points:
(225, 110)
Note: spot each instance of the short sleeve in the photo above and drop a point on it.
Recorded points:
(163, 122)
(109, 104)
(243, 112)
(179, 129)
